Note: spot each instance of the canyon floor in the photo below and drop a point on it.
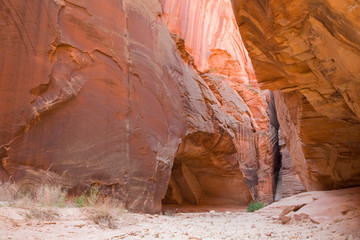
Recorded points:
(73, 224)
(315, 215)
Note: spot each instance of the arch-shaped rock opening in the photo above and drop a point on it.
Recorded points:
(206, 173)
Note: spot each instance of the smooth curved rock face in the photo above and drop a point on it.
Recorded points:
(209, 41)
(310, 51)
(87, 99)
(101, 94)
(338, 208)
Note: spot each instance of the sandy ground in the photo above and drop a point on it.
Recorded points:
(74, 223)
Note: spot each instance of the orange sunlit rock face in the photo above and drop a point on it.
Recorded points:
(309, 50)
(209, 34)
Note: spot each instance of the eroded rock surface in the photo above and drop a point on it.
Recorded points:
(209, 41)
(103, 94)
(87, 99)
(337, 209)
(309, 50)
(289, 182)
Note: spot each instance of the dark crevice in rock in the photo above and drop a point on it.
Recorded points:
(277, 154)
(185, 55)
(288, 183)
(4, 176)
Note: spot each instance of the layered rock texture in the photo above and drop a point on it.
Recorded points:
(209, 41)
(289, 182)
(87, 99)
(103, 94)
(309, 50)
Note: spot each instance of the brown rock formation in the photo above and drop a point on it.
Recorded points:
(339, 209)
(209, 40)
(310, 51)
(87, 99)
(289, 182)
(100, 95)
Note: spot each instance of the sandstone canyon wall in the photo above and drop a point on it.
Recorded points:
(310, 51)
(87, 99)
(207, 32)
(289, 183)
(104, 94)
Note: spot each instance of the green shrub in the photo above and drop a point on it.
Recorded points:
(81, 201)
(89, 199)
(61, 202)
(93, 196)
(255, 205)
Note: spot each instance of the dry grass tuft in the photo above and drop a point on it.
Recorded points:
(41, 214)
(8, 191)
(104, 218)
(111, 203)
(50, 196)
(41, 196)
(24, 200)
(105, 212)
(100, 209)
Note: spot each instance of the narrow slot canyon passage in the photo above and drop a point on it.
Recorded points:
(206, 175)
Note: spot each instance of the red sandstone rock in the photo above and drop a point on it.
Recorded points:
(211, 36)
(87, 99)
(310, 51)
(289, 182)
(99, 94)
(210, 42)
(338, 209)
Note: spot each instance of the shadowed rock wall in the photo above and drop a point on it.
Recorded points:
(309, 50)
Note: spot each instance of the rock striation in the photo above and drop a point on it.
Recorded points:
(104, 95)
(289, 183)
(209, 41)
(87, 99)
(309, 50)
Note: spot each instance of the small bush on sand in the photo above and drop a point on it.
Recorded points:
(89, 199)
(40, 196)
(255, 205)
(105, 212)
(24, 200)
(103, 217)
(93, 196)
(50, 196)
(8, 191)
(41, 214)
(170, 212)
(81, 200)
